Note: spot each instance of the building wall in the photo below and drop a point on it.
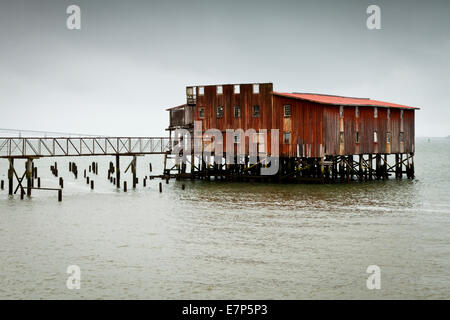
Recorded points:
(304, 125)
(366, 124)
(246, 99)
(315, 129)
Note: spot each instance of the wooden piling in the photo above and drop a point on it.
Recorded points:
(39, 182)
(92, 184)
(133, 170)
(61, 183)
(124, 186)
(160, 187)
(29, 175)
(60, 195)
(117, 171)
(183, 187)
(2, 185)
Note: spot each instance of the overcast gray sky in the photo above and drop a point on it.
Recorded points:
(133, 59)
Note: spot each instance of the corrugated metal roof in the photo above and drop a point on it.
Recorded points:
(341, 101)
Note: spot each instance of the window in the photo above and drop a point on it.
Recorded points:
(401, 114)
(341, 111)
(287, 138)
(255, 111)
(375, 138)
(219, 112)
(219, 89)
(357, 136)
(357, 112)
(201, 91)
(401, 137)
(388, 137)
(287, 110)
(388, 113)
(237, 111)
(341, 137)
(201, 112)
(237, 89)
(375, 112)
(237, 137)
(256, 88)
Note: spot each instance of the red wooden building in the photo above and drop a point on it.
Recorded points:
(319, 135)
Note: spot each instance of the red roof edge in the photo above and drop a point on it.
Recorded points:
(341, 100)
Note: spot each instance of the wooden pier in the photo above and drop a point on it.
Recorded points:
(32, 148)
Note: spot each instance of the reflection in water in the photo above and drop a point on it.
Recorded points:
(230, 240)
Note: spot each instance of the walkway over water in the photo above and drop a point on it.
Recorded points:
(37, 147)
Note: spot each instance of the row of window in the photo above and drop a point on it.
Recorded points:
(286, 112)
(375, 112)
(287, 137)
(375, 137)
(237, 111)
(236, 89)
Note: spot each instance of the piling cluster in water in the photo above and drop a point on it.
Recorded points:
(32, 178)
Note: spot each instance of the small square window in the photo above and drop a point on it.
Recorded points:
(237, 137)
(287, 110)
(341, 111)
(375, 112)
(256, 88)
(237, 111)
(287, 138)
(357, 136)
(201, 112)
(219, 89)
(357, 112)
(219, 112)
(256, 111)
(201, 91)
(388, 113)
(237, 89)
(375, 137)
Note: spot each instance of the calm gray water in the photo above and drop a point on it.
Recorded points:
(224, 240)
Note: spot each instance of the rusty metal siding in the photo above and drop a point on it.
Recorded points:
(246, 99)
(331, 129)
(394, 126)
(366, 129)
(408, 128)
(349, 130)
(304, 125)
(381, 126)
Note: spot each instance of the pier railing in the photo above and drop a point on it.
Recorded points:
(82, 146)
